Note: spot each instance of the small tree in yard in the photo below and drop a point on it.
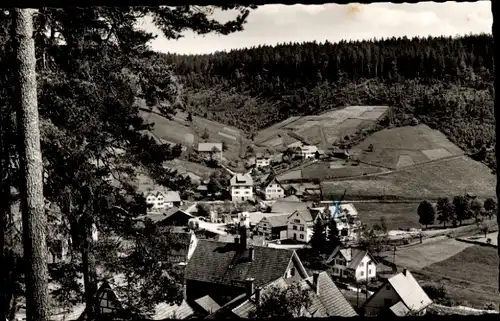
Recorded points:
(426, 212)
(205, 135)
(370, 148)
(202, 210)
(490, 207)
(290, 302)
(445, 210)
(318, 239)
(484, 228)
(189, 117)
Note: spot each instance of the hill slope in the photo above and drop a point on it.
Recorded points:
(444, 82)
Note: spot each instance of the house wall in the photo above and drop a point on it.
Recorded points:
(376, 303)
(362, 271)
(297, 228)
(263, 228)
(241, 193)
(338, 269)
(274, 191)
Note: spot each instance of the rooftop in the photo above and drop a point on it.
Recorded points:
(209, 147)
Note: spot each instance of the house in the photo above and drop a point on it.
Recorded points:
(346, 217)
(308, 151)
(211, 149)
(111, 303)
(224, 270)
(326, 299)
(159, 200)
(272, 188)
(262, 160)
(352, 263)
(300, 224)
(182, 246)
(241, 186)
(273, 227)
(400, 295)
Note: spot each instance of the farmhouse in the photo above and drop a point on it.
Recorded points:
(241, 186)
(159, 200)
(272, 188)
(300, 224)
(210, 149)
(326, 299)
(273, 227)
(346, 217)
(308, 151)
(224, 270)
(400, 295)
(353, 264)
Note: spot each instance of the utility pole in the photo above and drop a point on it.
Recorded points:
(394, 255)
(31, 178)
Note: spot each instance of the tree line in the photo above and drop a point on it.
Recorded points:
(456, 211)
(444, 82)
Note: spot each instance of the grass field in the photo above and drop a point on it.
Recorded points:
(322, 170)
(398, 215)
(395, 146)
(470, 275)
(445, 178)
(179, 131)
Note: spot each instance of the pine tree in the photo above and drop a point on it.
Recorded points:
(444, 210)
(333, 234)
(318, 239)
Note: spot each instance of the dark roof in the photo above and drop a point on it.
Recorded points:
(270, 179)
(229, 264)
(329, 301)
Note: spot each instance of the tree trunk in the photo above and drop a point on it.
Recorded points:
(89, 270)
(31, 184)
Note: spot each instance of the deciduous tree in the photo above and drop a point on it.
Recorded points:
(426, 213)
(444, 210)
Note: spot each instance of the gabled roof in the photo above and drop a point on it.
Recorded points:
(353, 256)
(209, 147)
(291, 198)
(276, 220)
(208, 304)
(410, 292)
(168, 196)
(329, 301)
(309, 149)
(229, 264)
(270, 179)
(241, 180)
(400, 309)
(307, 215)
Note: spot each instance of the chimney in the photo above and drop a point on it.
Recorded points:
(315, 282)
(257, 295)
(249, 286)
(251, 254)
(404, 271)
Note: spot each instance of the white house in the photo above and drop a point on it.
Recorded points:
(300, 225)
(262, 161)
(159, 200)
(241, 186)
(273, 189)
(400, 295)
(352, 263)
(209, 148)
(308, 151)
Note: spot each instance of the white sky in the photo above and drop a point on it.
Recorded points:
(272, 24)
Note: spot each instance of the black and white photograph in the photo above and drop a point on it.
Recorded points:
(244, 161)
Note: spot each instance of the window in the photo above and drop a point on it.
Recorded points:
(296, 221)
(302, 228)
(247, 192)
(302, 236)
(236, 192)
(362, 264)
(362, 273)
(387, 287)
(387, 303)
(294, 227)
(292, 271)
(369, 271)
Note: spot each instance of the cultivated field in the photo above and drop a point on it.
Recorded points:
(397, 148)
(322, 130)
(324, 170)
(179, 131)
(470, 276)
(445, 178)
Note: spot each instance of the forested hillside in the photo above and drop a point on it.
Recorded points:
(444, 82)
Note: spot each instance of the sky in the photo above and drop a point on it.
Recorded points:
(273, 24)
